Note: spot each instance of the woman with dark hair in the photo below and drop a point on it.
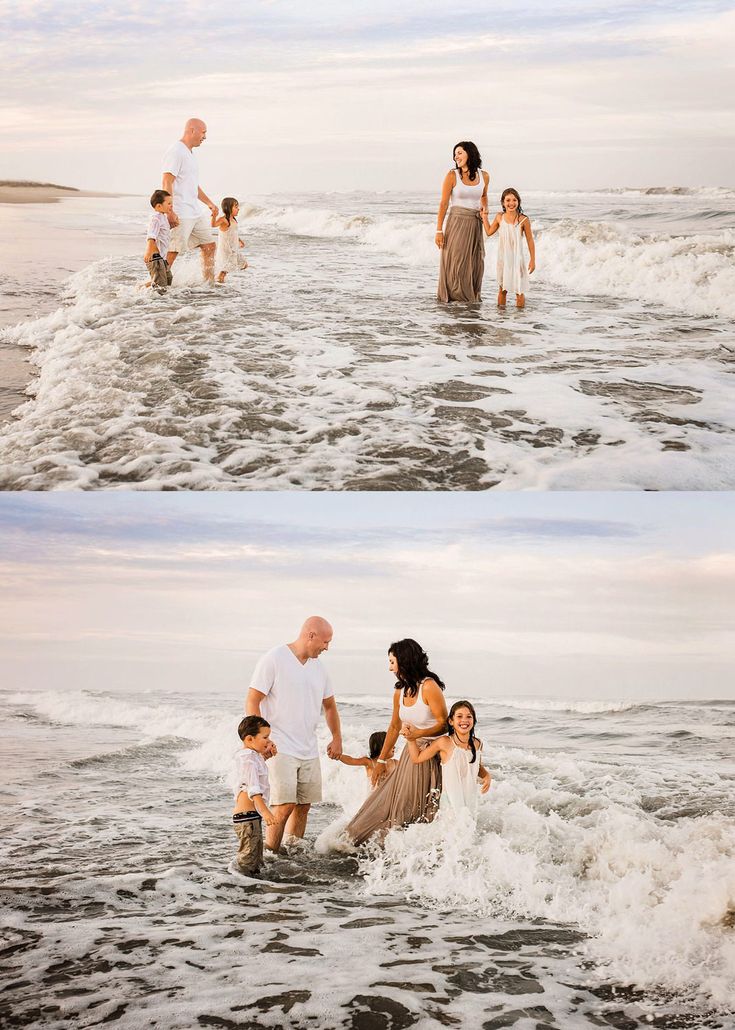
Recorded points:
(411, 794)
(462, 244)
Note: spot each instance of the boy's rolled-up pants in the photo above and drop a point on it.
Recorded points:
(249, 829)
(160, 271)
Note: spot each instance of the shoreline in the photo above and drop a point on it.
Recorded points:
(19, 192)
(35, 280)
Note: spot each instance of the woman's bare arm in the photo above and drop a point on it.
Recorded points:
(447, 187)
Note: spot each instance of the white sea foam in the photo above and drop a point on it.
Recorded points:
(329, 364)
(656, 898)
(692, 274)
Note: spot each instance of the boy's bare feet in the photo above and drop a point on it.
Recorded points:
(502, 297)
(221, 277)
(520, 300)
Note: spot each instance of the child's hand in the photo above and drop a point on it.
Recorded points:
(173, 219)
(270, 750)
(379, 771)
(531, 266)
(486, 781)
(407, 731)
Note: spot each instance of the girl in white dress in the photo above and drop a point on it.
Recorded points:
(461, 758)
(228, 257)
(513, 225)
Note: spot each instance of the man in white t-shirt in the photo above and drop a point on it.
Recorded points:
(290, 688)
(191, 228)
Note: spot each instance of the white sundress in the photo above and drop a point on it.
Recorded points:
(459, 781)
(512, 264)
(229, 256)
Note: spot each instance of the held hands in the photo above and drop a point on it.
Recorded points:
(270, 750)
(334, 748)
(379, 771)
(173, 219)
(408, 732)
(268, 818)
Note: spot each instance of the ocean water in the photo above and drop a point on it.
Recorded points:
(329, 364)
(597, 889)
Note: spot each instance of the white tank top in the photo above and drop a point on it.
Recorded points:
(468, 196)
(418, 714)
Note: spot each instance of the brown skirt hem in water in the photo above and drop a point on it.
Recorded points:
(409, 795)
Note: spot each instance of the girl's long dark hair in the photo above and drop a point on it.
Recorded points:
(465, 704)
(376, 742)
(413, 666)
(517, 195)
(227, 205)
(474, 161)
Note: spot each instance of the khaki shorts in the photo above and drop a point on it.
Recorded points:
(160, 272)
(295, 781)
(190, 233)
(250, 844)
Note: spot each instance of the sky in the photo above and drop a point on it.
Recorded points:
(552, 595)
(331, 96)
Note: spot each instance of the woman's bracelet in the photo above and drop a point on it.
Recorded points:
(381, 761)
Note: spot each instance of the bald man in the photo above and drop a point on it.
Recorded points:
(290, 688)
(191, 227)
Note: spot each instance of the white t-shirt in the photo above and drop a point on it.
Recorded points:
(293, 699)
(180, 162)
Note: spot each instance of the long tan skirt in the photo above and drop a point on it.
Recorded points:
(462, 257)
(409, 795)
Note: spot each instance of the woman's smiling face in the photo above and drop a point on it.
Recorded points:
(460, 157)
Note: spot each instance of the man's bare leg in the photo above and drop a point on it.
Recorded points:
(274, 834)
(208, 250)
(296, 825)
(520, 300)
(502, 297)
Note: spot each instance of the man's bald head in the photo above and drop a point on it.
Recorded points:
(315, 636)
(195, 132)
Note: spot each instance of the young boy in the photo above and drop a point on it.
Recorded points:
(252, 792)
(159, 236)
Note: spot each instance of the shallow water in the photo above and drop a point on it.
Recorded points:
(329, 365)
(597, 890)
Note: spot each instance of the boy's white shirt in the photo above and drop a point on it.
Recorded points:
(252, 774)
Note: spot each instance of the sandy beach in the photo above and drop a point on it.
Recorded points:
(17, 191)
